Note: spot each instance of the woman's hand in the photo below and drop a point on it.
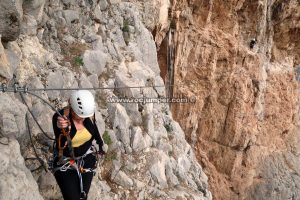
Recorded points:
(62, 122)
(101, 152)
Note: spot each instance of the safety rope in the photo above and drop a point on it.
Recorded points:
(42, 164)
(33, 170)
(54, 109)
(34, 118)
(33, 146)
(65, 132)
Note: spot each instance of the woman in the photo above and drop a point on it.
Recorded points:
(74, 158)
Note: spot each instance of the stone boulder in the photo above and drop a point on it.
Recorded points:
(84, 82)
(54, 80)
(103, 5)
(121, 123)
(158, 169)
(144, 49)
(29, 25)
(5, 70)
(34, 8)
(93, 79)
(122, 179)
(48, 187)
(12, 115)
(11, 14)
(138, 141)
(71, 16)
(13, 55)
(70, 81)
(127, 86)
(119, 177)
(94, 61)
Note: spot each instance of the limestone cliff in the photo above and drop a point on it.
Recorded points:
(245, 124)
(90, 44)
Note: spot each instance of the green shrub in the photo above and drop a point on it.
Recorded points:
(78, 61)
(125, 26)
(106, 138)
(73, 53)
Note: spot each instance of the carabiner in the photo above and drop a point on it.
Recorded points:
(82, 195)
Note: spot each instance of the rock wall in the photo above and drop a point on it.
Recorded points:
(16, 180)
(245, 124)
(89, 43)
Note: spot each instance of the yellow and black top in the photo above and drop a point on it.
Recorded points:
(81, 139)
(82, 136)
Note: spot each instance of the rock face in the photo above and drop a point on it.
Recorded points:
(244, 126)
(11, 14)
(16, 180)
(104, 43)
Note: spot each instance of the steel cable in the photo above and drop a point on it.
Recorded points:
(34, 149)
(34, 118)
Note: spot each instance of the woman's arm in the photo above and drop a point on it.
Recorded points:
(98, 137)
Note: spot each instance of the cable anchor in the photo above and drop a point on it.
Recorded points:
(4, 87)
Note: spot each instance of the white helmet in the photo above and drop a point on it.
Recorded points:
(83, 103)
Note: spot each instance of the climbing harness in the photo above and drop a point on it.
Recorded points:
(77, 164)
(72, 162)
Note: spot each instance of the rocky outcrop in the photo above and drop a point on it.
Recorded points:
(246, 113)
(5, 70)
(11, 15)
(16, 180)
(106, 43)
(12, 117)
